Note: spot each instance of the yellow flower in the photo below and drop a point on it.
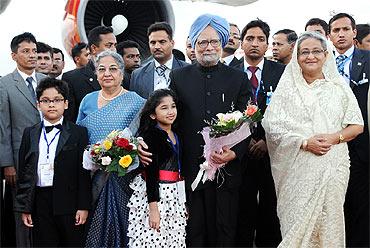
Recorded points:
(125, 161)
(107, 144)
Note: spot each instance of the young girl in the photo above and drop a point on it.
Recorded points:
(157, 206)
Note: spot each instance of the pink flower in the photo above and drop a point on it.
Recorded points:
(251, 109)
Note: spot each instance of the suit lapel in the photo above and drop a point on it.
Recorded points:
(21, 86)
(35, 136)
(89, 73)
(357, 64)
(148, 77)
(64, 135)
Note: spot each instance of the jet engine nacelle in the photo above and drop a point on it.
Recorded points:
(129, 19)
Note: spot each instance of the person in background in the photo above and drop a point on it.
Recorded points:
(283, 45)
(308, 123)
(228, 52)
(129, 50)
(190, 53)
(44, 58)
(317, 25)
(362, 39)
(58, 63)
(80, 54)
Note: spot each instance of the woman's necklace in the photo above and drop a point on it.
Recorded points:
(110, 99)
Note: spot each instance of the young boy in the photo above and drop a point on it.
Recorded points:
(53, 190)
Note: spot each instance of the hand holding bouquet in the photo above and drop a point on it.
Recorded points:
(228, 129)
(116, 153)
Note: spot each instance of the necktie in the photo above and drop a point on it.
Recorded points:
(30, 88)
(49, 128)
(161, 70)
(340, 60)
(253, 78)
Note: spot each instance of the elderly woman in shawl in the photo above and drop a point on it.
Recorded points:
(100, 112)
(311, 117)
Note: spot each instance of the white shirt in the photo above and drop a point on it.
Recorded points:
(347, 63)
(227, 60)
(161, 82)
(258, 72)
(25, 76)
(43, 149)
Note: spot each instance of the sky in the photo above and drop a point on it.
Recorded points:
(44, 18)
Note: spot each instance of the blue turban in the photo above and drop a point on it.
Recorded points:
(218, 23)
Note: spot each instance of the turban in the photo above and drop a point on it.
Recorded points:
(218, 23)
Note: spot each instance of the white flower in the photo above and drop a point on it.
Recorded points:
(125, 133)
(106, 160)
(134, 147)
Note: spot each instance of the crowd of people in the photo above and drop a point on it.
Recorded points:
(301, 179)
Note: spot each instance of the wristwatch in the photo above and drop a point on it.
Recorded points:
(341, 138)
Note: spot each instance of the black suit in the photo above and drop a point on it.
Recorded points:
(235, 62)
(204, 92)
(80, 81)
(357, 198)
(258, 221)
(71, 190)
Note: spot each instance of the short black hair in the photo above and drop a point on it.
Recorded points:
(94, 34)
(259, 24)
(318, 21)
(28, 37)
(342, 15)
(126, 44)
(290, 35)
(57, 50)
(161, 26)
(49, 82)
(234, 25)
(178, 54)
(363, 30)
(76, 50)
(44, 48)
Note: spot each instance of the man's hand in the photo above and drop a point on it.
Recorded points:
(10, 175)
(143, 155)
(27, 219)
(81, 216)
(224, 157)
(259, 149)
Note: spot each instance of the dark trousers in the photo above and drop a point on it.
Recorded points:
(212, 217)
(53, 230)
(257, 219)
(356, 205)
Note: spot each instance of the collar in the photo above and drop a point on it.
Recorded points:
(168, 64)
(348, 53)
(25, 76)
(46, 123)
(228, 59)
(260, 65)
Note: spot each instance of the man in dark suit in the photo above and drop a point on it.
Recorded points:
(354, 66)
(228, 52)
(155, 74)
(18, 110)
(205, 89)
(129, 50)
(258, 222)
(83, 80)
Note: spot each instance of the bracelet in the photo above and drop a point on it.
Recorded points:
(304, 145)
(341, 138)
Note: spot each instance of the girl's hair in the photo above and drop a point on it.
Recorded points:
(153, 101)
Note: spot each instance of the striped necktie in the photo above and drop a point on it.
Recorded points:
(340, 60)
(161, 70)
(30, 88)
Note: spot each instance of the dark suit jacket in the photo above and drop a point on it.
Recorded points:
(235, 62)
(271, 74)
(80, 81)
(203, 93)
(71, 183)
(359, 147)
(142, 79)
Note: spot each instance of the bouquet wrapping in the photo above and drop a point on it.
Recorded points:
(116, 153)
(227, 130)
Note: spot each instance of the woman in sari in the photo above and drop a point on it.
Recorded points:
(100, 112)
(312, 115)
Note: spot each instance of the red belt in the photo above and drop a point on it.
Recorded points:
(165, 175)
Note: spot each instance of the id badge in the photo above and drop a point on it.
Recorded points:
(47, 174)
(268, 97)
(181, 191)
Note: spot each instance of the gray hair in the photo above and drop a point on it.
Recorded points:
(307, 35)
(117, 58)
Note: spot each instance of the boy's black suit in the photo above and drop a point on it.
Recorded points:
(53, 209)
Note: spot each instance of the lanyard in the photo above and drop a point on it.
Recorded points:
(47, 143)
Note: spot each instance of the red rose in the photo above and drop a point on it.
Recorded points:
(122, 142)
(129, 148)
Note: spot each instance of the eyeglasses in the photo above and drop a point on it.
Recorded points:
(315, 53)
(204, 43)
(102, 70)
(48, 101)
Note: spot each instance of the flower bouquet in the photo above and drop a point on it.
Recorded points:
(116, 153)
(227, 130)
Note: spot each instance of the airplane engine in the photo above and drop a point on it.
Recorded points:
(128, 18)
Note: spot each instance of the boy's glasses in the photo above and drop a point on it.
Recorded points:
(48, 101)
